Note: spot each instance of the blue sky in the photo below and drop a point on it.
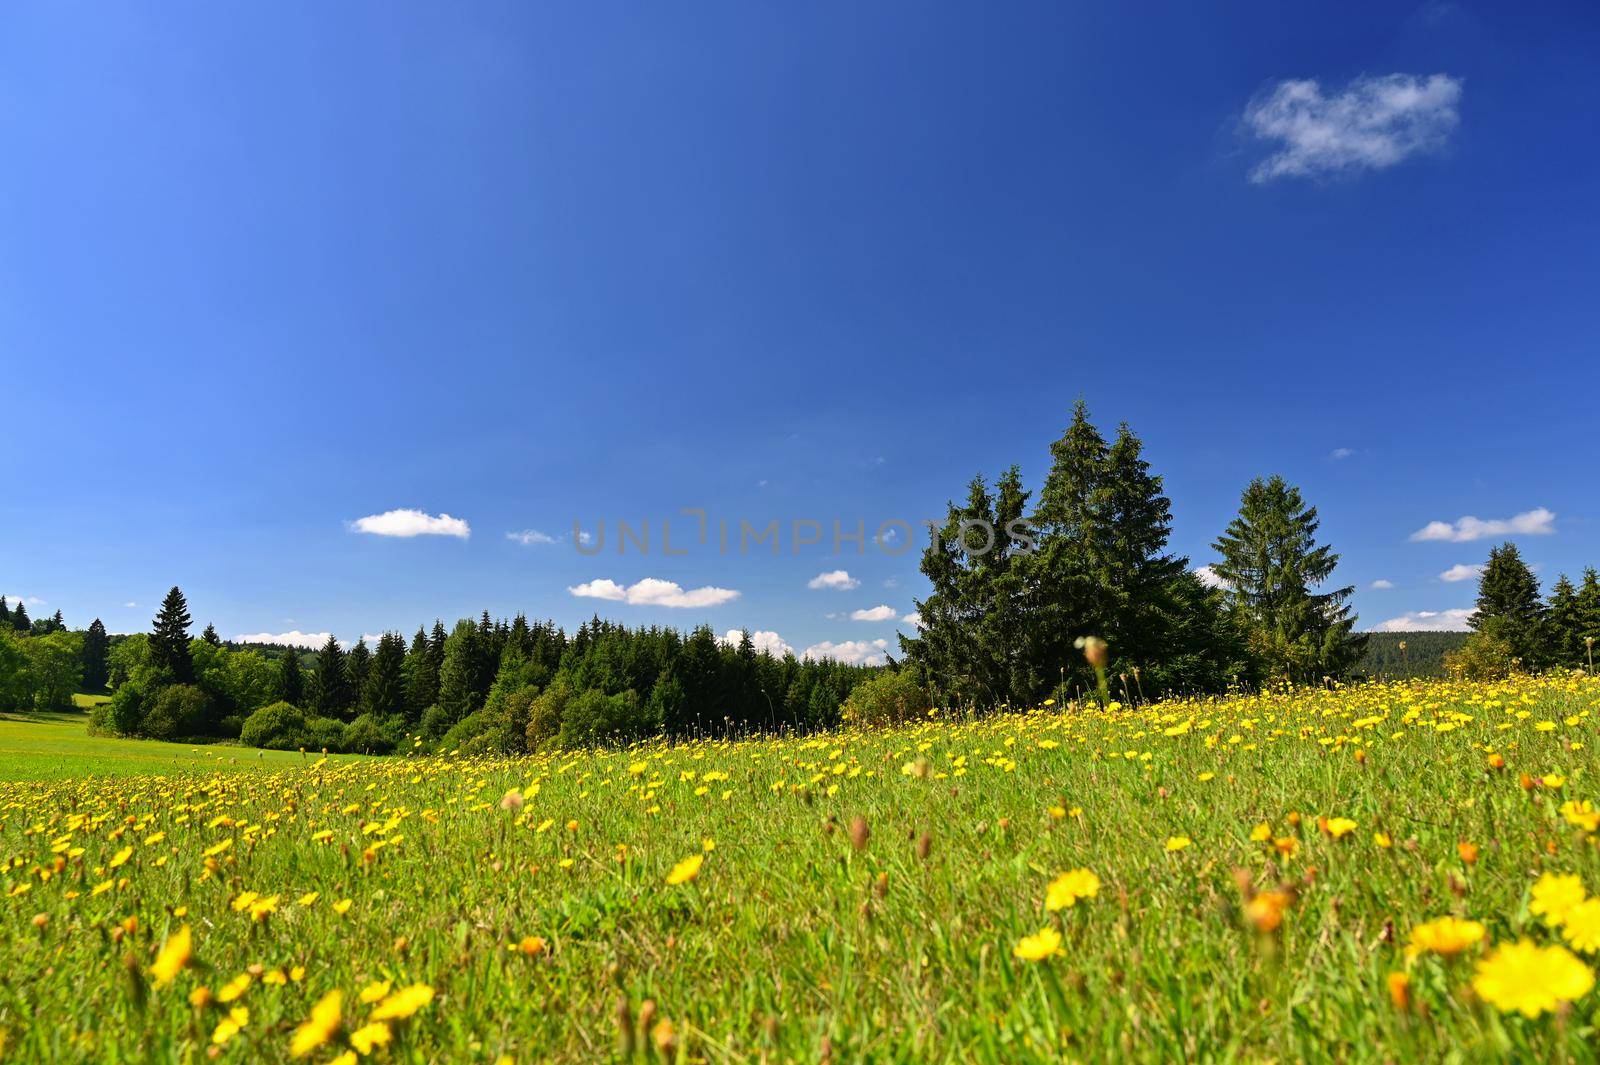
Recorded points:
(269, 269)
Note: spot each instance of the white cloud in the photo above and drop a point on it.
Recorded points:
(28, 600)
(370, 638)
(838, 580)
(1461, 571)
(913, 618)
(1341, 453)
(881, 612)
(294, 638)
(1209, 577)
(765, 640)
(850, 652)
(1373, 124)
(530, 537)
(653, 591)
(1382, 585)
(130, 604)
(408, 523)
(1535, 522)
(1428, 621)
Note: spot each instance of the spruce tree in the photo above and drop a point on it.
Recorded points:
(1272, 565)
(96, 658)
(384, 693)
(331, 686)
(291, 682)
(357, 664)
(1509, 607)
(1564, 625)
(19, 619)
(422, 683)
(1588, 614)
(458, 676)
(169, 639)
(210, 635)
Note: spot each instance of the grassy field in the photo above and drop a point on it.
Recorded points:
(1255, 878)
(57, 746)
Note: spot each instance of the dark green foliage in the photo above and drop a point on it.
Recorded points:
(210, 635)
(331, 695)
(383, 693)
(95, 659)
(370, 734)
(19, 620)
(291, 682)
(1272, 567)
(1422, 656)
(169, 639)
(893, 697)
(176, 711)
(357, 665)
(1509, 607)
(279, 727)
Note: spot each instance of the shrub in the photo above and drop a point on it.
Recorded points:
(545, 713)
(464, 732)
(324, 734)
(595, 717)
(176, 710)
(278, 727)
(369, 734)
(1485, 656)
(435, 722)
(124, 714)
(887, 699)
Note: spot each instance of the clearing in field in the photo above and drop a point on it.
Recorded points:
(1399, 870)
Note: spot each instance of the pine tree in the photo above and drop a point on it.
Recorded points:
(96, 658)
(422, 682)
(458, 676)
(1272, 564)
(331, 686)
(1589, 614)
(1509, 606)
(19, 619)
(384, 693)
(210, 635)
(169, 639)
(357, 664)
(291, 682)
(1564, 625)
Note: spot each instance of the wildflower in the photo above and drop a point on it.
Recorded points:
(531, 946)
(121, 856)
(1178, 843)
(342, 907)
(1526, 978)
(373, 992)
(1581, 928)
(1066, 889)
(1468, 852)
(200, 998)
(321, 1027)
(175, 954)
(229, 1026)
(1261, 833)
(1265, 910)
(403, 1003)
(1554, 896)
(369, 1037)
(1043, 944)
(1581, 814)
(1382, 839)
(1400, 990)
(686, 870)
(235, 987)
(1445, 935)
(1338, 827)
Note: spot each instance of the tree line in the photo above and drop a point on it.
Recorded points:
(1007, 622)
(1514, 627)
(485, 685)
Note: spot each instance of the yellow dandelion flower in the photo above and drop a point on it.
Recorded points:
(1178, 843)
(1445, 935)
(686, 870)
(1066, 889)
(235, 987)
(403, 1003)
(230, 1025)
(1581, 928)
(369, 1037)
(320, 1027)
(375, 991)
(1554, 895)
(175, 954)
(1526, 978)
(1045, 943)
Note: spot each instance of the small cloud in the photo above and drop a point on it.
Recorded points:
(652, 591)
(1428, 621)
(838, 580)
(913, 618)
(1381, 585)
(891, 582)
(1461, 571)
(29, 600)
(1535, 522)
(1209, 577)
(369, 638)
(585, 538)
(1340, 453)
(850, 652)
(130, 604)
(765, 640)
(408, 523)
(294, 638)
(1373, 124)
(881, 612)
(530, 537)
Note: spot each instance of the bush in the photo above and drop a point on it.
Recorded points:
(435, 722)
(1485, 656)
(887, 699)
(595, 717)
(464, 732)
(230, 726)
(278, 727)
(545, 713)
(324, 734)
(176, 710)
(124, 714)
(369, 734)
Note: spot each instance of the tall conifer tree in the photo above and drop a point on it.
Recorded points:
(169, 639)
